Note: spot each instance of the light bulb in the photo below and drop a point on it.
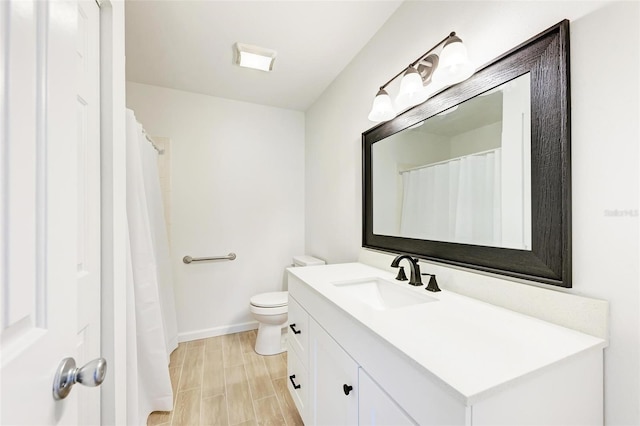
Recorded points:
(382, 108)
(454, 65)
(411, 89)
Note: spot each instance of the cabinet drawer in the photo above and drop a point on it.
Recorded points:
(299, 331)
(298, 382)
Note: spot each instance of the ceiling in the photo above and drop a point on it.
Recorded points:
(188, 45)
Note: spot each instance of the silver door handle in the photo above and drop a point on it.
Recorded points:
(91, 374)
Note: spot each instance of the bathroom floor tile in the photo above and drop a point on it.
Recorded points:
(277, 365)
(158, 418)
(199, 342)
(222, 381)
(213, 374)
(174, 375)
(252, 356)
(213, 411)
(187, 408)
(191, 377)
(213, 343)
(259, 380)
(239, 401)
(232, 350)
(289, 410)
(268, 411)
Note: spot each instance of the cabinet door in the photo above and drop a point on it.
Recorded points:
(375, 407)
(334, 387)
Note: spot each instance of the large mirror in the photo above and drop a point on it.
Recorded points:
(461, 176)
(478, 176)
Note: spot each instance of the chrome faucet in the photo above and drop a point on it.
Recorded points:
(415, 278)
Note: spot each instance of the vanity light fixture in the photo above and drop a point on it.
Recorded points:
(423, 78)
(255, 57)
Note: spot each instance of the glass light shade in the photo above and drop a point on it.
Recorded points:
(453, 52)
(407, 100)
(411, 89)
(454, 65)
(382, 108)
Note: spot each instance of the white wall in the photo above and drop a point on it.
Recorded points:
(480, 139)
(237, 175)
(604, 149)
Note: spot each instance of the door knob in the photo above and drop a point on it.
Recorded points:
(91, 374)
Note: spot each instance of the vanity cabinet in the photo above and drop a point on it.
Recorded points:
(375, 407)
(329, 387)
(454, 361)
(323, 378)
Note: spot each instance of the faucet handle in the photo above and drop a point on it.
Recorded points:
(433, 284)
(401, 275)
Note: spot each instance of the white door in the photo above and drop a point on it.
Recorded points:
(49, 228)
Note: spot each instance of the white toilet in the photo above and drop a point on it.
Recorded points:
(270, 310)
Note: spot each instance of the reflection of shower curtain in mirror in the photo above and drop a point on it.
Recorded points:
(456, 200)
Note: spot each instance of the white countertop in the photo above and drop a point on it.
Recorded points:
(471, 346)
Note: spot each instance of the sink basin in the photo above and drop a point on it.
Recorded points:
(380, 294)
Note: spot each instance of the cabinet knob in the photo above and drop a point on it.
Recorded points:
(346, 388)
(292, 327)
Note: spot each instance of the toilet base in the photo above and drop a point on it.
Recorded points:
(269, 340)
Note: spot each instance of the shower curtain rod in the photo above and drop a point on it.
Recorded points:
(447, 161)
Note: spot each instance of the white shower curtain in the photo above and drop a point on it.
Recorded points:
(151, 317)
(456, 200)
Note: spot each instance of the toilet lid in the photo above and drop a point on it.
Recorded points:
(270, 300)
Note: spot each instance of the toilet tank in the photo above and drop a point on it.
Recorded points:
(307, 261)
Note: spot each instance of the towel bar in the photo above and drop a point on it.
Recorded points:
(189, 259)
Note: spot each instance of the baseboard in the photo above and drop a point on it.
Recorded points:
(216, 331)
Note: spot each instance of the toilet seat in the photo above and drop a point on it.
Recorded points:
(274, 299)
(272, 311)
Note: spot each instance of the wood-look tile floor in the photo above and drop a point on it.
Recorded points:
(222, 381)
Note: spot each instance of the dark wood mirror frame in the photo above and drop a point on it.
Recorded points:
(546, 58)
